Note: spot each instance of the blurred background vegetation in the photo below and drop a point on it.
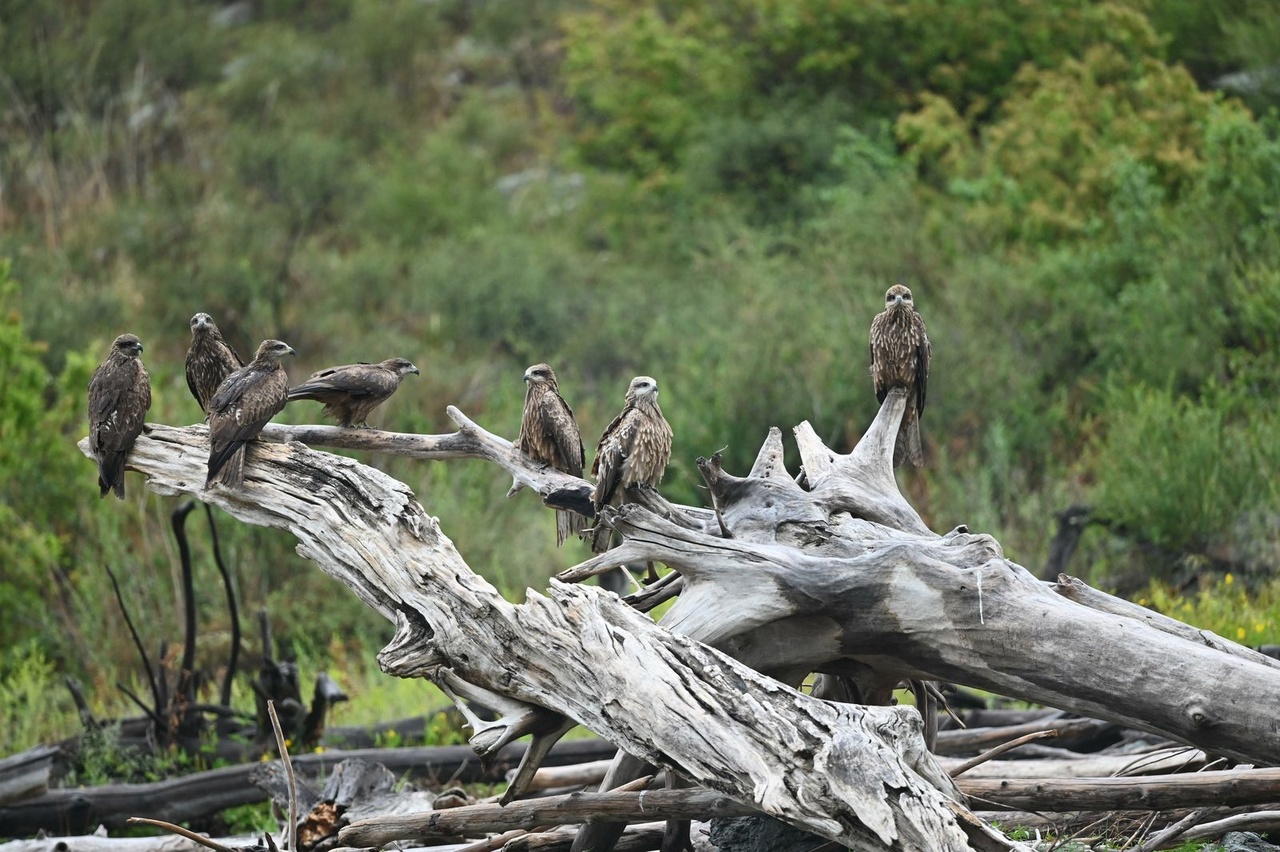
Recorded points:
(1084, 197)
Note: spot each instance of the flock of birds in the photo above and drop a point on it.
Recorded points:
(239, 399)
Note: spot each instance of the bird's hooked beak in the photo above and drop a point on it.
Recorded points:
(416, 371)
(897, 300)
(138, 346)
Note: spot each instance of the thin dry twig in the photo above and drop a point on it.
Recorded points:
(498, 841)
(1179, 828)
(999, 750)
(292, 831)
(177, 829)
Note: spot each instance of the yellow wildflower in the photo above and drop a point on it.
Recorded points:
(1240, 632)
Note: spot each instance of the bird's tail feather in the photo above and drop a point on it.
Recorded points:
(568, 524)
(111, 474)
(227, 466)
(306, 391)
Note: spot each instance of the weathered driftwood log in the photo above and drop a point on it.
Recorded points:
(807, 583)
(850, 574)
(477, 820)
(26, 774)
(201, 795)
(840, 576)
(95, 843)
(1227, 788)
(857, 775)
(1163, 761)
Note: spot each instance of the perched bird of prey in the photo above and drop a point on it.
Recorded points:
(633, 450)
(119, 396)
(900, 358)
(549, 434)
(352, 391)
(242, 405)
(209, 360)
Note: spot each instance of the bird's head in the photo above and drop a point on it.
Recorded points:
(200, 322)
(898, 296)
(540, 374)
(401, 366)
(272, 350)
(642, 387)
(128, 345)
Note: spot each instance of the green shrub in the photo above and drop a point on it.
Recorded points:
(37, 706)
(1187, 475)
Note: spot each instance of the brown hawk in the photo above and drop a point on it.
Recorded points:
(351, 392)
(242, 405)
(634, 450)
(119, 396)
(549, 435)
(900, 358)
(209, 360)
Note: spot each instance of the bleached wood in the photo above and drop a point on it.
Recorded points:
(1081, 766)
(572, 808)
(834, 573)
(857, 775)
(1077, 590)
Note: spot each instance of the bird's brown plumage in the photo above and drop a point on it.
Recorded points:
(634, 450)
(351, 392)
(900, 353)
(210, 359)
(119, 396)
(549, 434)
(244, 403)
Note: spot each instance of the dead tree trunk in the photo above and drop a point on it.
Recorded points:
(840, 577)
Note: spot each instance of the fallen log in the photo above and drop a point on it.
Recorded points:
(203, 794)
(837, 575)
(1150, 792)
(101, 843)
(972, 740)
(475, 820)
(26, 774)
(1126, 822)
(1169, 760)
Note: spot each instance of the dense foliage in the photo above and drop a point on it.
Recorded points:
(713, 193)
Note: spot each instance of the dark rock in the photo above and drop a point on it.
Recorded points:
(760, 834)
(1245, 841)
